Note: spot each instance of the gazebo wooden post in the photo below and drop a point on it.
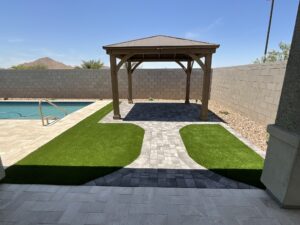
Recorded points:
(206, 87)
(188, 82)
(114, 85)
(129, 75)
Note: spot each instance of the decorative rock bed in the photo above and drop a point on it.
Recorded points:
(253, 131)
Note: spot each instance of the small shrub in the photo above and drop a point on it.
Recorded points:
(91, 64)
(35, 67)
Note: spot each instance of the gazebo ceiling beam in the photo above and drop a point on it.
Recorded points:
(135, 66)
(160, 60)
(198, 60)
(162, 57)
(192, 64)
(123, 60)
(182, 66)
(159, 51)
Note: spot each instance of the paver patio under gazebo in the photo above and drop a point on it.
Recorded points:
(161, 49)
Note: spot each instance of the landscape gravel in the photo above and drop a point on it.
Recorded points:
(249, 129)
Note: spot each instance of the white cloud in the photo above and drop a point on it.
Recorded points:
(191, 35)
(15, 40)
(198, 32)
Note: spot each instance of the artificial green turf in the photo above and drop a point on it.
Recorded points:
(82, 153)
(213, 147)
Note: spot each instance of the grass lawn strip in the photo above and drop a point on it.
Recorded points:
(215, 148)
(82, 153)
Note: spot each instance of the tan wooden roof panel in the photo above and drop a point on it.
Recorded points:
(161, 41)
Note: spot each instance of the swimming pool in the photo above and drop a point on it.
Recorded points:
(30, 109)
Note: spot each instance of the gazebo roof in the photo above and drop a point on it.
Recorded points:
(161, 48)
(161, 41)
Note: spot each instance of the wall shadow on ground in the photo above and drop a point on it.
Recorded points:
(131, 177)
(168, 112)
(58, 175)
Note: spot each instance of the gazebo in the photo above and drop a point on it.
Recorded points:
(161, 49)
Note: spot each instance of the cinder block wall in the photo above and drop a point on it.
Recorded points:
(252, 90)
(155, 83)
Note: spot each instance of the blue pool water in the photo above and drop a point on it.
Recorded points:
(30, 110)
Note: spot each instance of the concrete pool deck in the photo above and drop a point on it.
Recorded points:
(48, 204)
(18, 138)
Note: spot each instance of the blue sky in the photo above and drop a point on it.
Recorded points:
(71, 31)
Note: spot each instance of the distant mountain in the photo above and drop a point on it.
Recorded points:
(48, 63)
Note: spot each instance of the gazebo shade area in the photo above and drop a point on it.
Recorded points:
(161, 49)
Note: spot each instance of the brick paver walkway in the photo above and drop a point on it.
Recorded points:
(164, 161)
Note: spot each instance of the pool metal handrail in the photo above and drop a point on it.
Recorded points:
(48, 117)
